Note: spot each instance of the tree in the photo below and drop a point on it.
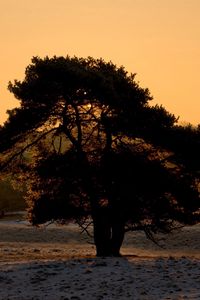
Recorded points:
(92, 149)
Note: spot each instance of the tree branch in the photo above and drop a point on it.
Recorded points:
(4, 165)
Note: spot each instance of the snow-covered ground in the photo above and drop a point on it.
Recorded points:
(57, 262)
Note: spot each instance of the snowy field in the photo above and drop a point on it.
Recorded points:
(57, 262)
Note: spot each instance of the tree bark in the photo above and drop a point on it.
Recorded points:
(102, 232)
(117, 237)
(108, 233)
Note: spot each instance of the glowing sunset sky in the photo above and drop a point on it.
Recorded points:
(157, 39)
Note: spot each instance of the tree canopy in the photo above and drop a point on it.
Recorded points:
(91, 147)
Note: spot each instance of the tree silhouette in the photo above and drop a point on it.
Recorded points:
(92, 149)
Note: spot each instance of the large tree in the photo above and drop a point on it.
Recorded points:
(92, 149)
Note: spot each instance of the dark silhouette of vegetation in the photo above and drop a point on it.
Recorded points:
(92, 149)
(10, 198)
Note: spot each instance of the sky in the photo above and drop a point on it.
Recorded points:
(157, 39)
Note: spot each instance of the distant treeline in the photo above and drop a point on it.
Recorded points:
(10, 199)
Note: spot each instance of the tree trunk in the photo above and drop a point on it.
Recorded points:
(117, 237)
(102, 232)
(108, 234)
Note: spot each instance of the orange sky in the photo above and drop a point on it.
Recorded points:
(157, 39)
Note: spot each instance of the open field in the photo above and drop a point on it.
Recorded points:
(57, 262)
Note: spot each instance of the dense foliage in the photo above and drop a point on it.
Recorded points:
(89, 145)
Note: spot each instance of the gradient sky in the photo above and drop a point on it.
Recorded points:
(157, 39)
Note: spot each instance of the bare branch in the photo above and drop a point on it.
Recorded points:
(18, 153)
(85, 227)
(60, 144)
